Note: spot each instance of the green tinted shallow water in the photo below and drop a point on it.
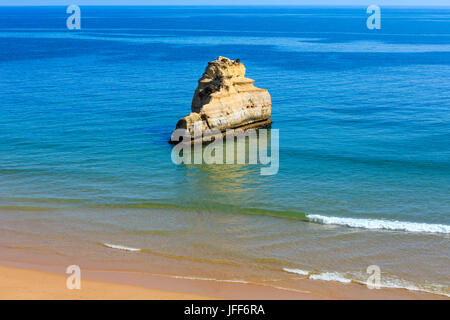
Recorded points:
(364, 130)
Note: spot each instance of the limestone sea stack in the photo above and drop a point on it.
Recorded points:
(225, 99)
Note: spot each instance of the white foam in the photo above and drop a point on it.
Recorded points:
(406, 285)
(329, 276)
(387, 283)
(209, 279)
(119, 247)
(297, 271)
(382, 224)
(401, 284)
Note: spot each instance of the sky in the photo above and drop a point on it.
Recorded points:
(228, 2)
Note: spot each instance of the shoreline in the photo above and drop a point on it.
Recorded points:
(19, 281)
(51, 251)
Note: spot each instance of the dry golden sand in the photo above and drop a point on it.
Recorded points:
(18, 283)
(29, 284)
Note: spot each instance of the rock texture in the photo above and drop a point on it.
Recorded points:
(225, 99)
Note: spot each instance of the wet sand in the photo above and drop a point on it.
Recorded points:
(26, 283)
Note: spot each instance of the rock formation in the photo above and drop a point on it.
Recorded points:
(225, 99)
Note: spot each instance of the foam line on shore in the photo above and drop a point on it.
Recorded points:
(388, 283)
(119, 247)
(297, 271)
(325, 276)
(209, 279)
(330, 276)
(381, 224)
(237, 281)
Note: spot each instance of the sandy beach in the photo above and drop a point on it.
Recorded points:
(27, 284)
(19, 284)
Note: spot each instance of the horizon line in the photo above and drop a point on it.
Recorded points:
(232, 5)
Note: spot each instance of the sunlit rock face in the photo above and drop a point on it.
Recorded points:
(225, 99)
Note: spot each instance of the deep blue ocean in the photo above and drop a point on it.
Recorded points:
(363, 118)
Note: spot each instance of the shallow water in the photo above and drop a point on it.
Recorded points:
(364, 120)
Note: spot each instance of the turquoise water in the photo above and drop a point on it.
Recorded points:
(364, 120)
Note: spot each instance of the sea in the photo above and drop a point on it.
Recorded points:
(86, 174)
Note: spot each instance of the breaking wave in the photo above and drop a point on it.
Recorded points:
(381, 224)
